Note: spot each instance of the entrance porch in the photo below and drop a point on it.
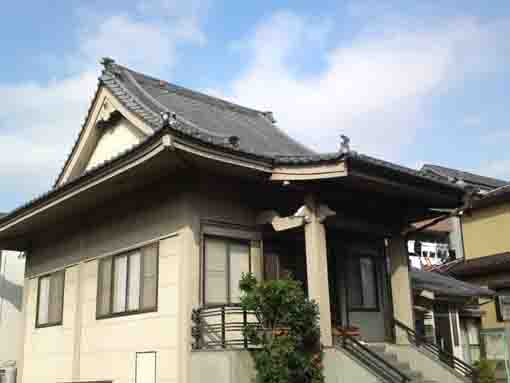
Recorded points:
(360, 294)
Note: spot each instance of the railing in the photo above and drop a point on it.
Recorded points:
(444, 356)
(222, 327)
(377, 364)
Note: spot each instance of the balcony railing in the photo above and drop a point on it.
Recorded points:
(222, 327)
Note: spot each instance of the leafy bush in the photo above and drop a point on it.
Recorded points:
(289, 338)
(485, 371)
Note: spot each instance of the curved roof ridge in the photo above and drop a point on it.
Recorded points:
(196, 94)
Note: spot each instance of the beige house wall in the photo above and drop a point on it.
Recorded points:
(486, 231)
(87, 349)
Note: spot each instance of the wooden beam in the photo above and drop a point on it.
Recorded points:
(309, 172)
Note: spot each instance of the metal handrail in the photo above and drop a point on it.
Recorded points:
(219, 327)
(444, 356)
(373, 361)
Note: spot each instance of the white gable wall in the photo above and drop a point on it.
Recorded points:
(113, 141)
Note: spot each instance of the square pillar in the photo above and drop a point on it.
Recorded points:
(317, 267)
(401, 287)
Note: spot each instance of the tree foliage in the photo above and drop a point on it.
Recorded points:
(289, 336)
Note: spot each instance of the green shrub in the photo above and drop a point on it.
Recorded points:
(485, 371)
(289, 338)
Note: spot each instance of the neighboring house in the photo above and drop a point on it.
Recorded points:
(443, 242)
(168, 196)
(431, 246)
(12, 268)
(487, 262)
(447, 312)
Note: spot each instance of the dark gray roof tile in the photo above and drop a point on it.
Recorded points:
(481, 182)
(445, 285)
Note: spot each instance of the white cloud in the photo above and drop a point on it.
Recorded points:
(496, 168)
(372, 89)
(39, 121)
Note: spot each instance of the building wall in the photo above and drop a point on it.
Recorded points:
(85, 348)
(12, 269)
(484, 231)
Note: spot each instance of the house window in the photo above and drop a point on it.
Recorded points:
(503, 307)
(128, 283)
(50, 299)
(363, 284)
(145, 369)
(225, 261)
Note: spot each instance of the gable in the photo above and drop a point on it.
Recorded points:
(113, 140)
(98, 129)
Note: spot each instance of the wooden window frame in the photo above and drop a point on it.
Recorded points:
(61, 321)
(355, 258)
(229, 241)
(110, 313)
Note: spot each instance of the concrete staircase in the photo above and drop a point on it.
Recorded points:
(403, 366)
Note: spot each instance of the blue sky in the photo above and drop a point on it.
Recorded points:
(411, 82)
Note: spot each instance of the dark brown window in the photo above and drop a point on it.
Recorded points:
(128, 283)
(225, 260)
(503, 306)
(50, 299)
(363, 283)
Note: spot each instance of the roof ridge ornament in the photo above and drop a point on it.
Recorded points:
(345, 147)
(169, 119)
(107, 62)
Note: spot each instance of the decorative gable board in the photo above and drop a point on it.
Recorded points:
(114, 140)
(103, 106)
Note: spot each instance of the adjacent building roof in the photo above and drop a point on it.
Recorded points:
(482, 265)
(444, 285)
(480, 182)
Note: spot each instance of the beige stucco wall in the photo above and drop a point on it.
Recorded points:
(486, 231)
(84, 348)
(87, 349)
(114, 140)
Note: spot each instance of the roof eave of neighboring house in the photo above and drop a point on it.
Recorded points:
(447, 287)
(494, 197)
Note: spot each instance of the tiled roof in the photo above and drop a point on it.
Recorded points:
(481, 182)
(482, 265)
(445, 285)
(209, 118)
(214, 121)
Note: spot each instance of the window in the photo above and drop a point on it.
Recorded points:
(363, 284)
(503, 307)
(128, 283)
(145, 367)
(225, 261)
(50, 299)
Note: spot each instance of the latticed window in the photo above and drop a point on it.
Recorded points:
(128, 283)
(50, 299)
(225, 260)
